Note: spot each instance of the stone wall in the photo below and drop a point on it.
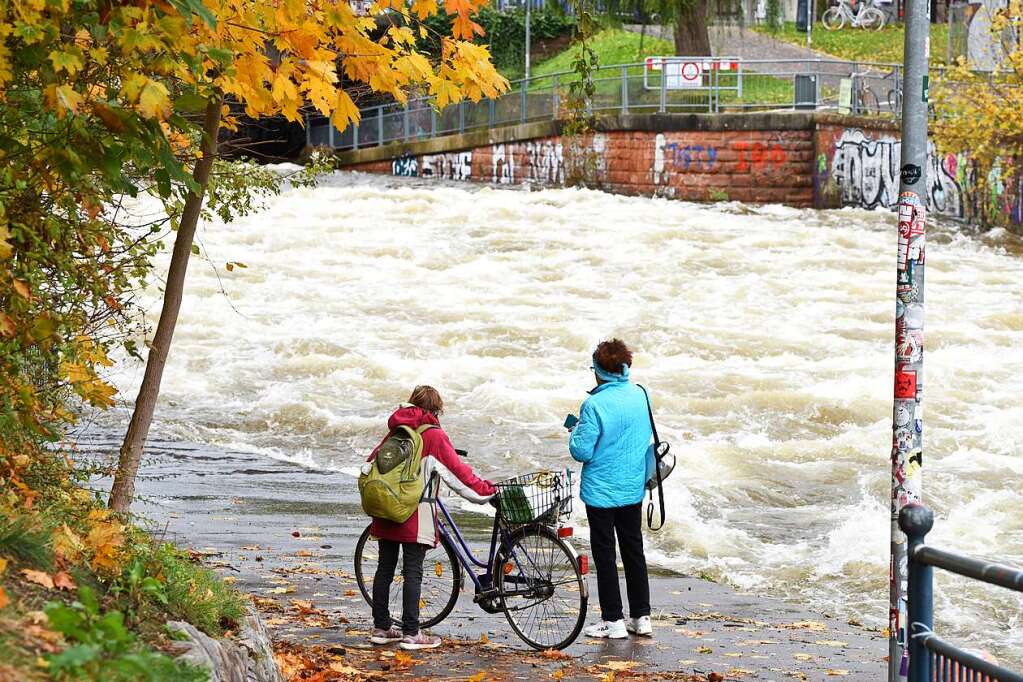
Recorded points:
(799, 159)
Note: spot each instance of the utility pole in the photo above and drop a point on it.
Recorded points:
(528, 5)
(907, 418)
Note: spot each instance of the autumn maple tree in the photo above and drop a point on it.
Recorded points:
(982, 114)
(117, 98)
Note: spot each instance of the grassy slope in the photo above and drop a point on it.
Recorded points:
(612, 46)
(146, 584)
(859, 45)
(616, 46)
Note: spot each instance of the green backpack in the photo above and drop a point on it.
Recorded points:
(394, 485)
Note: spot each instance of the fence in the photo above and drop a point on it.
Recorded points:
(932, 659)
(658, 85)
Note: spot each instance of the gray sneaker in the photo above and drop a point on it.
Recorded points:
(420, 641)
(385, 636)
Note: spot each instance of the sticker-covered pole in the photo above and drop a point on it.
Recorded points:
(907, 421)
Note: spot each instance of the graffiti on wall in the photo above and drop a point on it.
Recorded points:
(405, 166)
(502, 160)
(545, 160)
(866, 171)
(451, 166)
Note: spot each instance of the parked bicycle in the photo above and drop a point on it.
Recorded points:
(532, 572)
(865, 16)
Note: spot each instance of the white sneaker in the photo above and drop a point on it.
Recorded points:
(640, 626)
(607, 630)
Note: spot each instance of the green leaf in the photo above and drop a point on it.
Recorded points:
(195, 249)
(74, 657)
(190, 101)
(189, 7)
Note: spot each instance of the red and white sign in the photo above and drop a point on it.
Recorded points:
(679, 75)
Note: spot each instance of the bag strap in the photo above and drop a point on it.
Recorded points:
(657, 468)
(423, 428)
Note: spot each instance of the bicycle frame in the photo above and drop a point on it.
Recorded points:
(465, 556)
(483, 581)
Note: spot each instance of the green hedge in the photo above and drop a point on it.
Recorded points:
(505, 33)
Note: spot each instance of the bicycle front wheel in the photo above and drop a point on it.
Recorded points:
(833, 18)
(442, 580)
(541, 588)
(872, 19)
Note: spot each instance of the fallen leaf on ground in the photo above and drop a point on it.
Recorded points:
(484, 639)
(63, 581)
(620, 666)
(403, 660)
(831, 642)
(303, 552)
(836, 673)
(554, 654)
(478, 677)
(802, 657)
(805, 625)
(350, 593)
(37, 577)
(704, 650)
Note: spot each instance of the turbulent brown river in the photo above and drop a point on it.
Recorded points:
(765, 335)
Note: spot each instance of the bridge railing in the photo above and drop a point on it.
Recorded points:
(657, 85)
(932, 659)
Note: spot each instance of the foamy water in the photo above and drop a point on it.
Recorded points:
(764, 334)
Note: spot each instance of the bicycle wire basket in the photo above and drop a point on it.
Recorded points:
(541, 497)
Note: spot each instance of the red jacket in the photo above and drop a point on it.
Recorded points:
(439, 457)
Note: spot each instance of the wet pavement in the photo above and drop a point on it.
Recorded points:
(286, 534)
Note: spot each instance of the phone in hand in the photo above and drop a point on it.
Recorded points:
(570, 421)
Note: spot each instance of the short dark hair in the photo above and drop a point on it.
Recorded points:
(611, 355)
(427, 398)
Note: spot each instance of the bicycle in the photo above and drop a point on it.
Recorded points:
(531, 573)
(867, 16)
(864, 99)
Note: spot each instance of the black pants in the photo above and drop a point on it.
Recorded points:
(628, 523)
(411, 584)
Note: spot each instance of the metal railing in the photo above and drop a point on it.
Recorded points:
(932, 659)
(680, 84)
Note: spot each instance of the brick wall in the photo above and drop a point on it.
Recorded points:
(741, 165)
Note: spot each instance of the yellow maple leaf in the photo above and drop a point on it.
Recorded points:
(63, 99)
(345, 111)
(5, 246)
(66, 543)
(105, 540)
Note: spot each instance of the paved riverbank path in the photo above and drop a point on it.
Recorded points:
(287, 536)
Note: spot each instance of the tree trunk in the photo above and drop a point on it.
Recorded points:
(691, 36)
(123, 490)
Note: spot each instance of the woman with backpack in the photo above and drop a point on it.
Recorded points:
(416, 534)
(611, 440)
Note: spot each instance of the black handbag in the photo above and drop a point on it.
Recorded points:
(663, 466)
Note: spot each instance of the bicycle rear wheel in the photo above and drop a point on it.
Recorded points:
(442, 580)
(833, 18)
(541, 587)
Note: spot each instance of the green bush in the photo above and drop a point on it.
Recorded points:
(102, 648)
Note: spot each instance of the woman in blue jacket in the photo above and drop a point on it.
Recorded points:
(611, 440)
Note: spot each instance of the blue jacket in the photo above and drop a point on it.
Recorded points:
(611, 440)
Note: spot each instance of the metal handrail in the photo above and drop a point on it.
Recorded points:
(968, 567)
(930, 657)
(541, 98)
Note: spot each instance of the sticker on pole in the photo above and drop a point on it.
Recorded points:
(681, 75)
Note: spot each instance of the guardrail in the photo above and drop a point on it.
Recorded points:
(659, 84)
(932, 659)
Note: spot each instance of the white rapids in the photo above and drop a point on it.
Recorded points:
(765, 335)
